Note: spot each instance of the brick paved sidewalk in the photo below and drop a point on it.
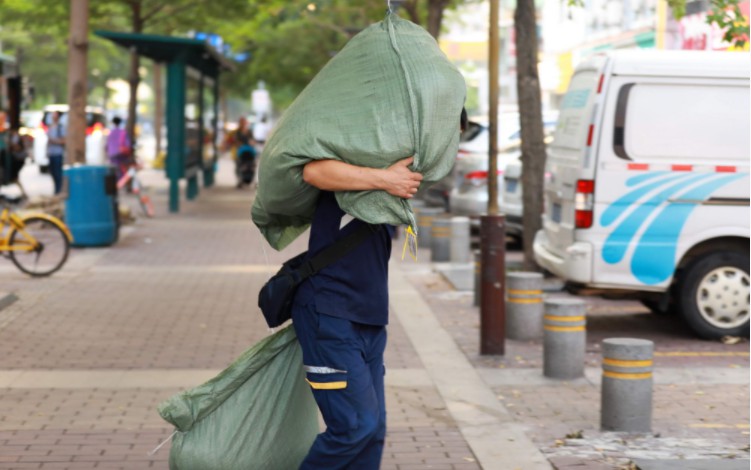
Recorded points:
(90, 352)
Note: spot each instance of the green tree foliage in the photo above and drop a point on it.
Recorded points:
(290, 41)
(728, 16)
(37, 30)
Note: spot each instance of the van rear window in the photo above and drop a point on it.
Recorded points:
(576, 111)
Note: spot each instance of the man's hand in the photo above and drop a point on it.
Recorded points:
(333, 175)
(400, 181)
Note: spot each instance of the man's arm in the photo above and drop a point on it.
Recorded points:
(333, 175)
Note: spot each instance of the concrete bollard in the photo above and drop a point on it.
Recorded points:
(460, 243)
(440, 239)
(524, 307)
(425, 216)
(478, 264)
(564, 325)
(626, 392)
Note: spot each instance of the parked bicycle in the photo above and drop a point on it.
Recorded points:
(131, 181)
(38, 244)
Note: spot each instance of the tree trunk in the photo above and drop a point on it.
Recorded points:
(78, 44)
(411, 8)
(530, 118)
(133, 77)
(435, 16)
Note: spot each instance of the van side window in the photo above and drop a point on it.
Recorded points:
(655, 129)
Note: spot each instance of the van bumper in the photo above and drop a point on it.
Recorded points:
(574, 266)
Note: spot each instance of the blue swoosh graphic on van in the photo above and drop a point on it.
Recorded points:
(654, 258)
(633, 181)
(619, 239)
(613, 211)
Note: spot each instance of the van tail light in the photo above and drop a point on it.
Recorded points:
(584, 203)
(478, 178)
(599, 85)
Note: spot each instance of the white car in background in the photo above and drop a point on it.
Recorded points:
(469, 195)
(96, 134)
(512, 205)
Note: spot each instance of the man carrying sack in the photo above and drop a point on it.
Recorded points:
(380, 120)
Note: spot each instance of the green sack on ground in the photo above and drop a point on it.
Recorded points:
(258, 413)
(389, 94)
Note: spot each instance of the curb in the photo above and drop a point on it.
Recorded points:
(497, 441)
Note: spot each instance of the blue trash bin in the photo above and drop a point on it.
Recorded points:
(91, 211)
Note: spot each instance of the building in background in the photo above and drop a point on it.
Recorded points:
(568, 34)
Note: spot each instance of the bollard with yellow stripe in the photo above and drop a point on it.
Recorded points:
(440, 239)
(524, 305)
(565, 338)
(425, 216)
(626, 392)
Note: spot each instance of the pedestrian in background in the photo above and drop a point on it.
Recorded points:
(118, 148)
(240, 143)
(261, 130)
(56, 150)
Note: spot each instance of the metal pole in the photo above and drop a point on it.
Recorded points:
(175, 130)
(493, 62)
(78, 45)
(493, 226)
(158, 107)
(492, 284)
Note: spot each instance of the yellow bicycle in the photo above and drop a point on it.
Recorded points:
(38, 244)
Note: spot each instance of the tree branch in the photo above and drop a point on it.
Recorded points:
(411, 8)
(172, 12)
(153, 12)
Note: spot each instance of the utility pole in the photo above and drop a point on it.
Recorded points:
(494, 44)
(493, 225)
(78, 45)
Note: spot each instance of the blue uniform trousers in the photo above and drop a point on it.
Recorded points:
(344, 367)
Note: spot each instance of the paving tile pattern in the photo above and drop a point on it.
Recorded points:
(179, 292)
(605, 319)
(698, 421)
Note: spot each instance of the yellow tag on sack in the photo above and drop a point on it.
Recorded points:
(410, 242)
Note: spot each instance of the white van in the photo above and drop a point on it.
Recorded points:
(647, 185)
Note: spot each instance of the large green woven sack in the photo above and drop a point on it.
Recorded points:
(258, 413)
(389, 94)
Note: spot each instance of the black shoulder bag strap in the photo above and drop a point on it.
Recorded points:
(337, 250)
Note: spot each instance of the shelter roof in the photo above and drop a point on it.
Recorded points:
(196, 53)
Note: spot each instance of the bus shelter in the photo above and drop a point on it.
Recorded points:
(192, 107)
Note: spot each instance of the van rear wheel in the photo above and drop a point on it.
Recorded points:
(714, 295)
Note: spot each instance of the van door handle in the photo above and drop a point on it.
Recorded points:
(712, 201)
